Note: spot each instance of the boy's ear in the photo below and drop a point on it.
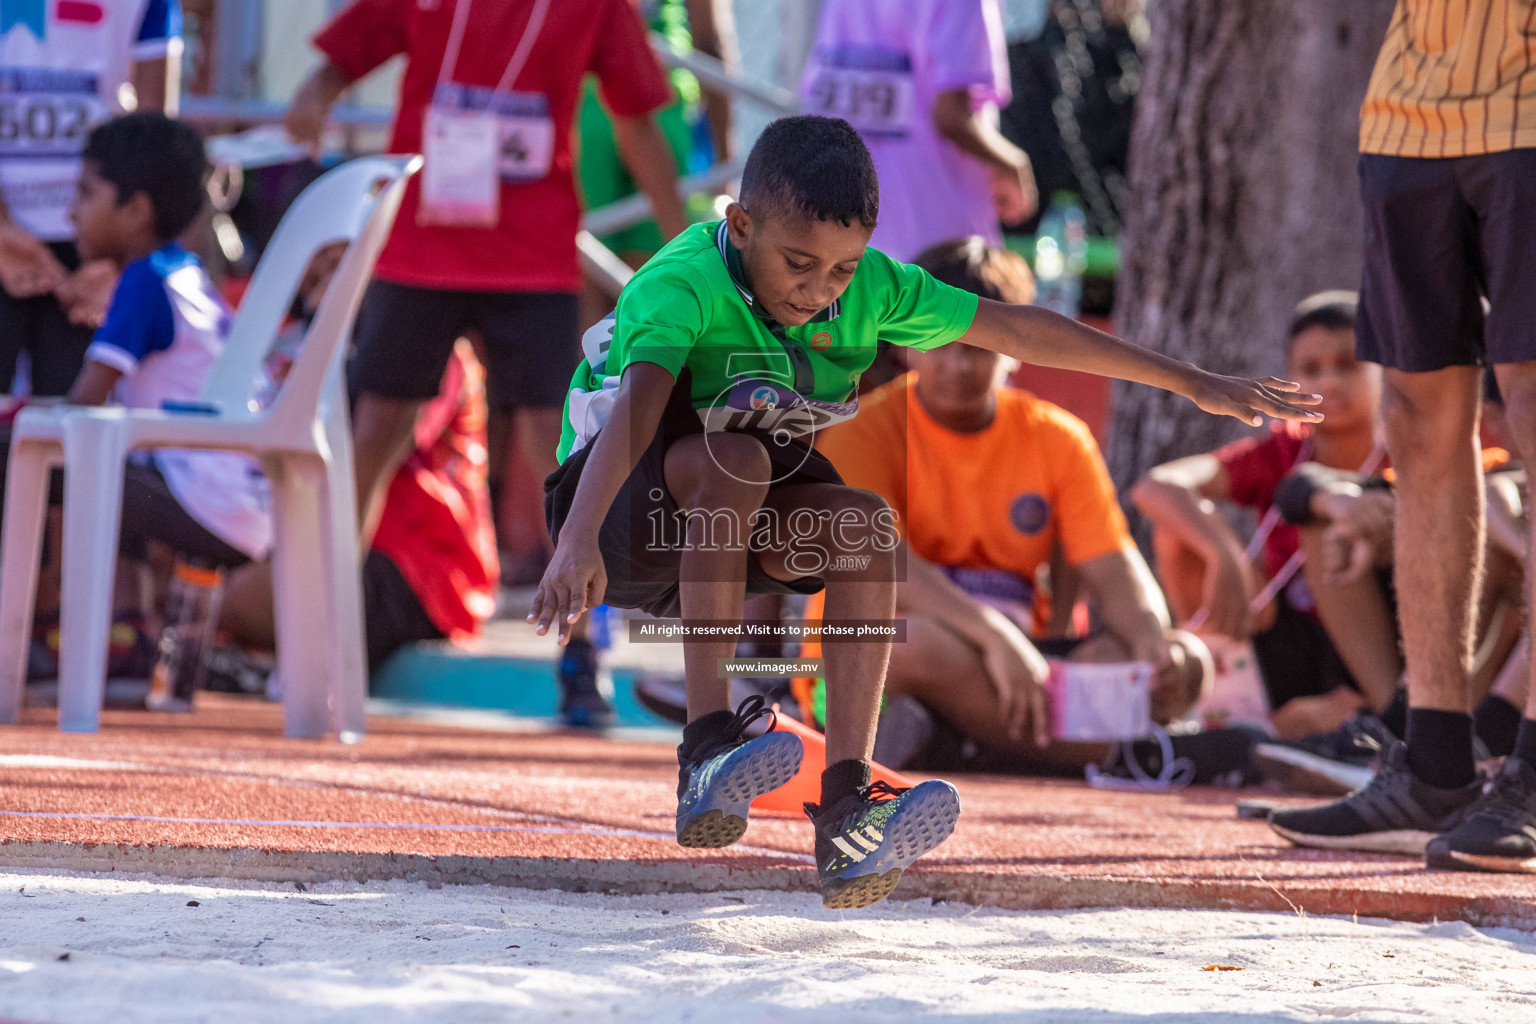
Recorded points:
(738, 224)
(141, 209)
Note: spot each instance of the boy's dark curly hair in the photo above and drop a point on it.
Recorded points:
(150, 153)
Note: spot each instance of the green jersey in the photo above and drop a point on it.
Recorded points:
(690, 308)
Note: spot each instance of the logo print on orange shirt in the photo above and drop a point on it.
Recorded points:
(821, 341)
(1029, 513)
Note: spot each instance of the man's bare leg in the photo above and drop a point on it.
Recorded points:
(1431, 420)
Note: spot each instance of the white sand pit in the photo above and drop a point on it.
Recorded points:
(94, 949)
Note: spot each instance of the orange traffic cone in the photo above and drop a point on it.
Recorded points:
(787, 801)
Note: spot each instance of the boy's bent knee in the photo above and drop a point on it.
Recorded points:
(722, 469)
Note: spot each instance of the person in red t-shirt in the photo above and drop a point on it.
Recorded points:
(1209, 576)
(432, 573)
(486, 237)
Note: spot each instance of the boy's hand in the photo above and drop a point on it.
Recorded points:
(574, 582)
(86, 294)
(1252, 400)
(27, 267)
(1361, 526)
(1228, 596)
(1018, 672)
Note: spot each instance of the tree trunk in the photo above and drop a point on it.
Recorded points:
(1241, 197)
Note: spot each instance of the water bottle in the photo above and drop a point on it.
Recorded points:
(191, 616)
(1061, 254)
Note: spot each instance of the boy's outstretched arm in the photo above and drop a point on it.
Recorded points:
(1039, 336)
(575, 580)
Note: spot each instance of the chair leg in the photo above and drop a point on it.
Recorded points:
(301, 602)
(349, 680)
(94, 451)
(21, 547)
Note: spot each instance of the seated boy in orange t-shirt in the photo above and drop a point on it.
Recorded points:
(993, 489)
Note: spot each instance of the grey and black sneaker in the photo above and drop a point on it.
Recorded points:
(1393, 813)
(866, 839)
(1332, 763)
(1499, 831)
(718, 780)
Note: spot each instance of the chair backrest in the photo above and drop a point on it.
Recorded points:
(355, 200)
(316, 375)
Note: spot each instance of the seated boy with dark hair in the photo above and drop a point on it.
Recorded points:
(686, 480)
(141, 185)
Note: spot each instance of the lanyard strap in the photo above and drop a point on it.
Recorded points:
(519, 55)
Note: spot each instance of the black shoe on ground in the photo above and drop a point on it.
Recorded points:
(1210, 757)
(585, 690)
(1333, 763)
(865, 840)
(1499, 831)
(1394, 813)
(719, 778)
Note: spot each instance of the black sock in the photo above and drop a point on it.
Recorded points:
(1525, 742)
(1440, 748)
(842, 779)
(702, 729)
(1395, 717)
(1495, 722)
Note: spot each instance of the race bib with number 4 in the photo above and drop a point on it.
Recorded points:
(870, 87)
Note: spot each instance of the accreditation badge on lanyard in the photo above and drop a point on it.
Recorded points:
(473, 137)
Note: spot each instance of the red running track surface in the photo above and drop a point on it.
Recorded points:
(224, 783)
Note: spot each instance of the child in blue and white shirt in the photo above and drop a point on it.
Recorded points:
(141, 185)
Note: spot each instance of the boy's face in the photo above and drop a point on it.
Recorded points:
(959, 377)
(104, 227)
(1323, 362)
(796, 266)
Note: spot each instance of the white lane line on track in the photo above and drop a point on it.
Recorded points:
(50, 761)
(408, 826)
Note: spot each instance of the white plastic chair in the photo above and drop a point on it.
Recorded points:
(303, 440)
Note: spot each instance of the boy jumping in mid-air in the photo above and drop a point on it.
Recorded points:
(687, 480)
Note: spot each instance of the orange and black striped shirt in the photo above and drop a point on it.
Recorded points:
(1454, 78)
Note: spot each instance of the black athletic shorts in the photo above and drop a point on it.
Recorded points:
(1440, 236)
(405, 335)
(1296, 655)
(152, 513)
(392, 613)
(39, 327)
(643, 574)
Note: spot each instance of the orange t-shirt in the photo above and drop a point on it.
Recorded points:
(1000, 498)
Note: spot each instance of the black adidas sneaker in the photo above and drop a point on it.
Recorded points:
(1393, 813)
(865, 840)
(719, 778)
(1499, 830)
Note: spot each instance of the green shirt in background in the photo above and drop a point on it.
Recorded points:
(690, 307)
